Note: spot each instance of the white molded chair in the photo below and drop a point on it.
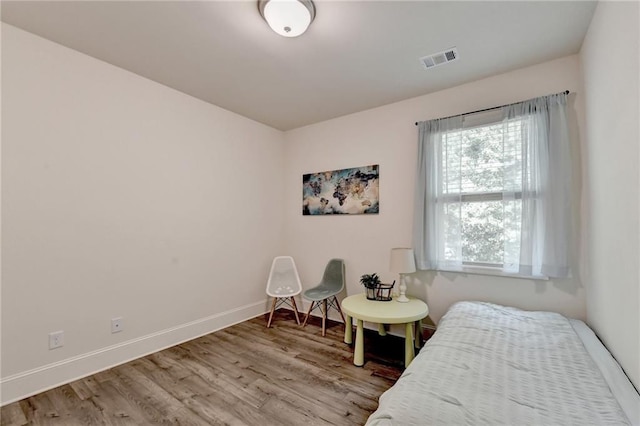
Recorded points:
(283, 285)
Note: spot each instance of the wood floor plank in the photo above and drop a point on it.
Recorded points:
(82, 389)
(287, 415)
(244, 375)
(164, 403)
(295, 406)
(116, 408)
(73, 410)
(13, 415)
(219, 379)
(218, 360)
(167, 361)
(219, 405)
(318, 392)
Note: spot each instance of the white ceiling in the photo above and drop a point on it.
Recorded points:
(356, 55)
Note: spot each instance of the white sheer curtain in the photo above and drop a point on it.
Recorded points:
(529, 191)
(428, 230)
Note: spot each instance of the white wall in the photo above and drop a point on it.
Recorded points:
(610, 61)
(388, 136)
(122, 197)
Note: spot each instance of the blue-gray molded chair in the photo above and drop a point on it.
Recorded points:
(323, 295)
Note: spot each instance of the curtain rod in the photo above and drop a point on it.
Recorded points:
(566, 92)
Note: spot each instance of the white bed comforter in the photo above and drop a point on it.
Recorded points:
(489, 364)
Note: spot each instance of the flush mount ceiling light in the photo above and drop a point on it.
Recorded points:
(289, 18)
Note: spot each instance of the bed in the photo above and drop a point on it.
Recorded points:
(491, 364)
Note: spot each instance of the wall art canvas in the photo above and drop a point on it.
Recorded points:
(346, 191)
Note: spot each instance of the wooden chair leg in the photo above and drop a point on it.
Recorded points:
(324, 316)
(295, 309)
(308, 313)
(337, 305)
(273, 308)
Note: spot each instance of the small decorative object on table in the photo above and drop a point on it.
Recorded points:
(375, 289)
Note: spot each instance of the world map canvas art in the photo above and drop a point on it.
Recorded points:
(346, 191)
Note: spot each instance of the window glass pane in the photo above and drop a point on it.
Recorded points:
(483, 232)
(483, 159)
(486, 232)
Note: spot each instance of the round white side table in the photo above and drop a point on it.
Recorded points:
(360, 308)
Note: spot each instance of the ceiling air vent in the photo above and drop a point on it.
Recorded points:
(439, 58)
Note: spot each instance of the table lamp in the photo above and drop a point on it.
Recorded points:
(402, 262)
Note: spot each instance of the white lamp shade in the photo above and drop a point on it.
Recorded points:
(402, 261)
(289, 18)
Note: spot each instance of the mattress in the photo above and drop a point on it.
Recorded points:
(490, 364)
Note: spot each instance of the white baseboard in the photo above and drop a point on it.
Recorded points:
(24, 384)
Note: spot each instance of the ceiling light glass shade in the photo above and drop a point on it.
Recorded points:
(289, 18)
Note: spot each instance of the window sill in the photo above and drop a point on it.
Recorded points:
(483, 270)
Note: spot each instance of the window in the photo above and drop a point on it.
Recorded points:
(481, 193)
(484, 200)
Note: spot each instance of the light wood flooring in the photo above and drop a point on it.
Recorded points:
(243, 375)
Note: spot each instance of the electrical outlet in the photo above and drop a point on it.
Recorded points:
(56, 339)
(116, 325)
